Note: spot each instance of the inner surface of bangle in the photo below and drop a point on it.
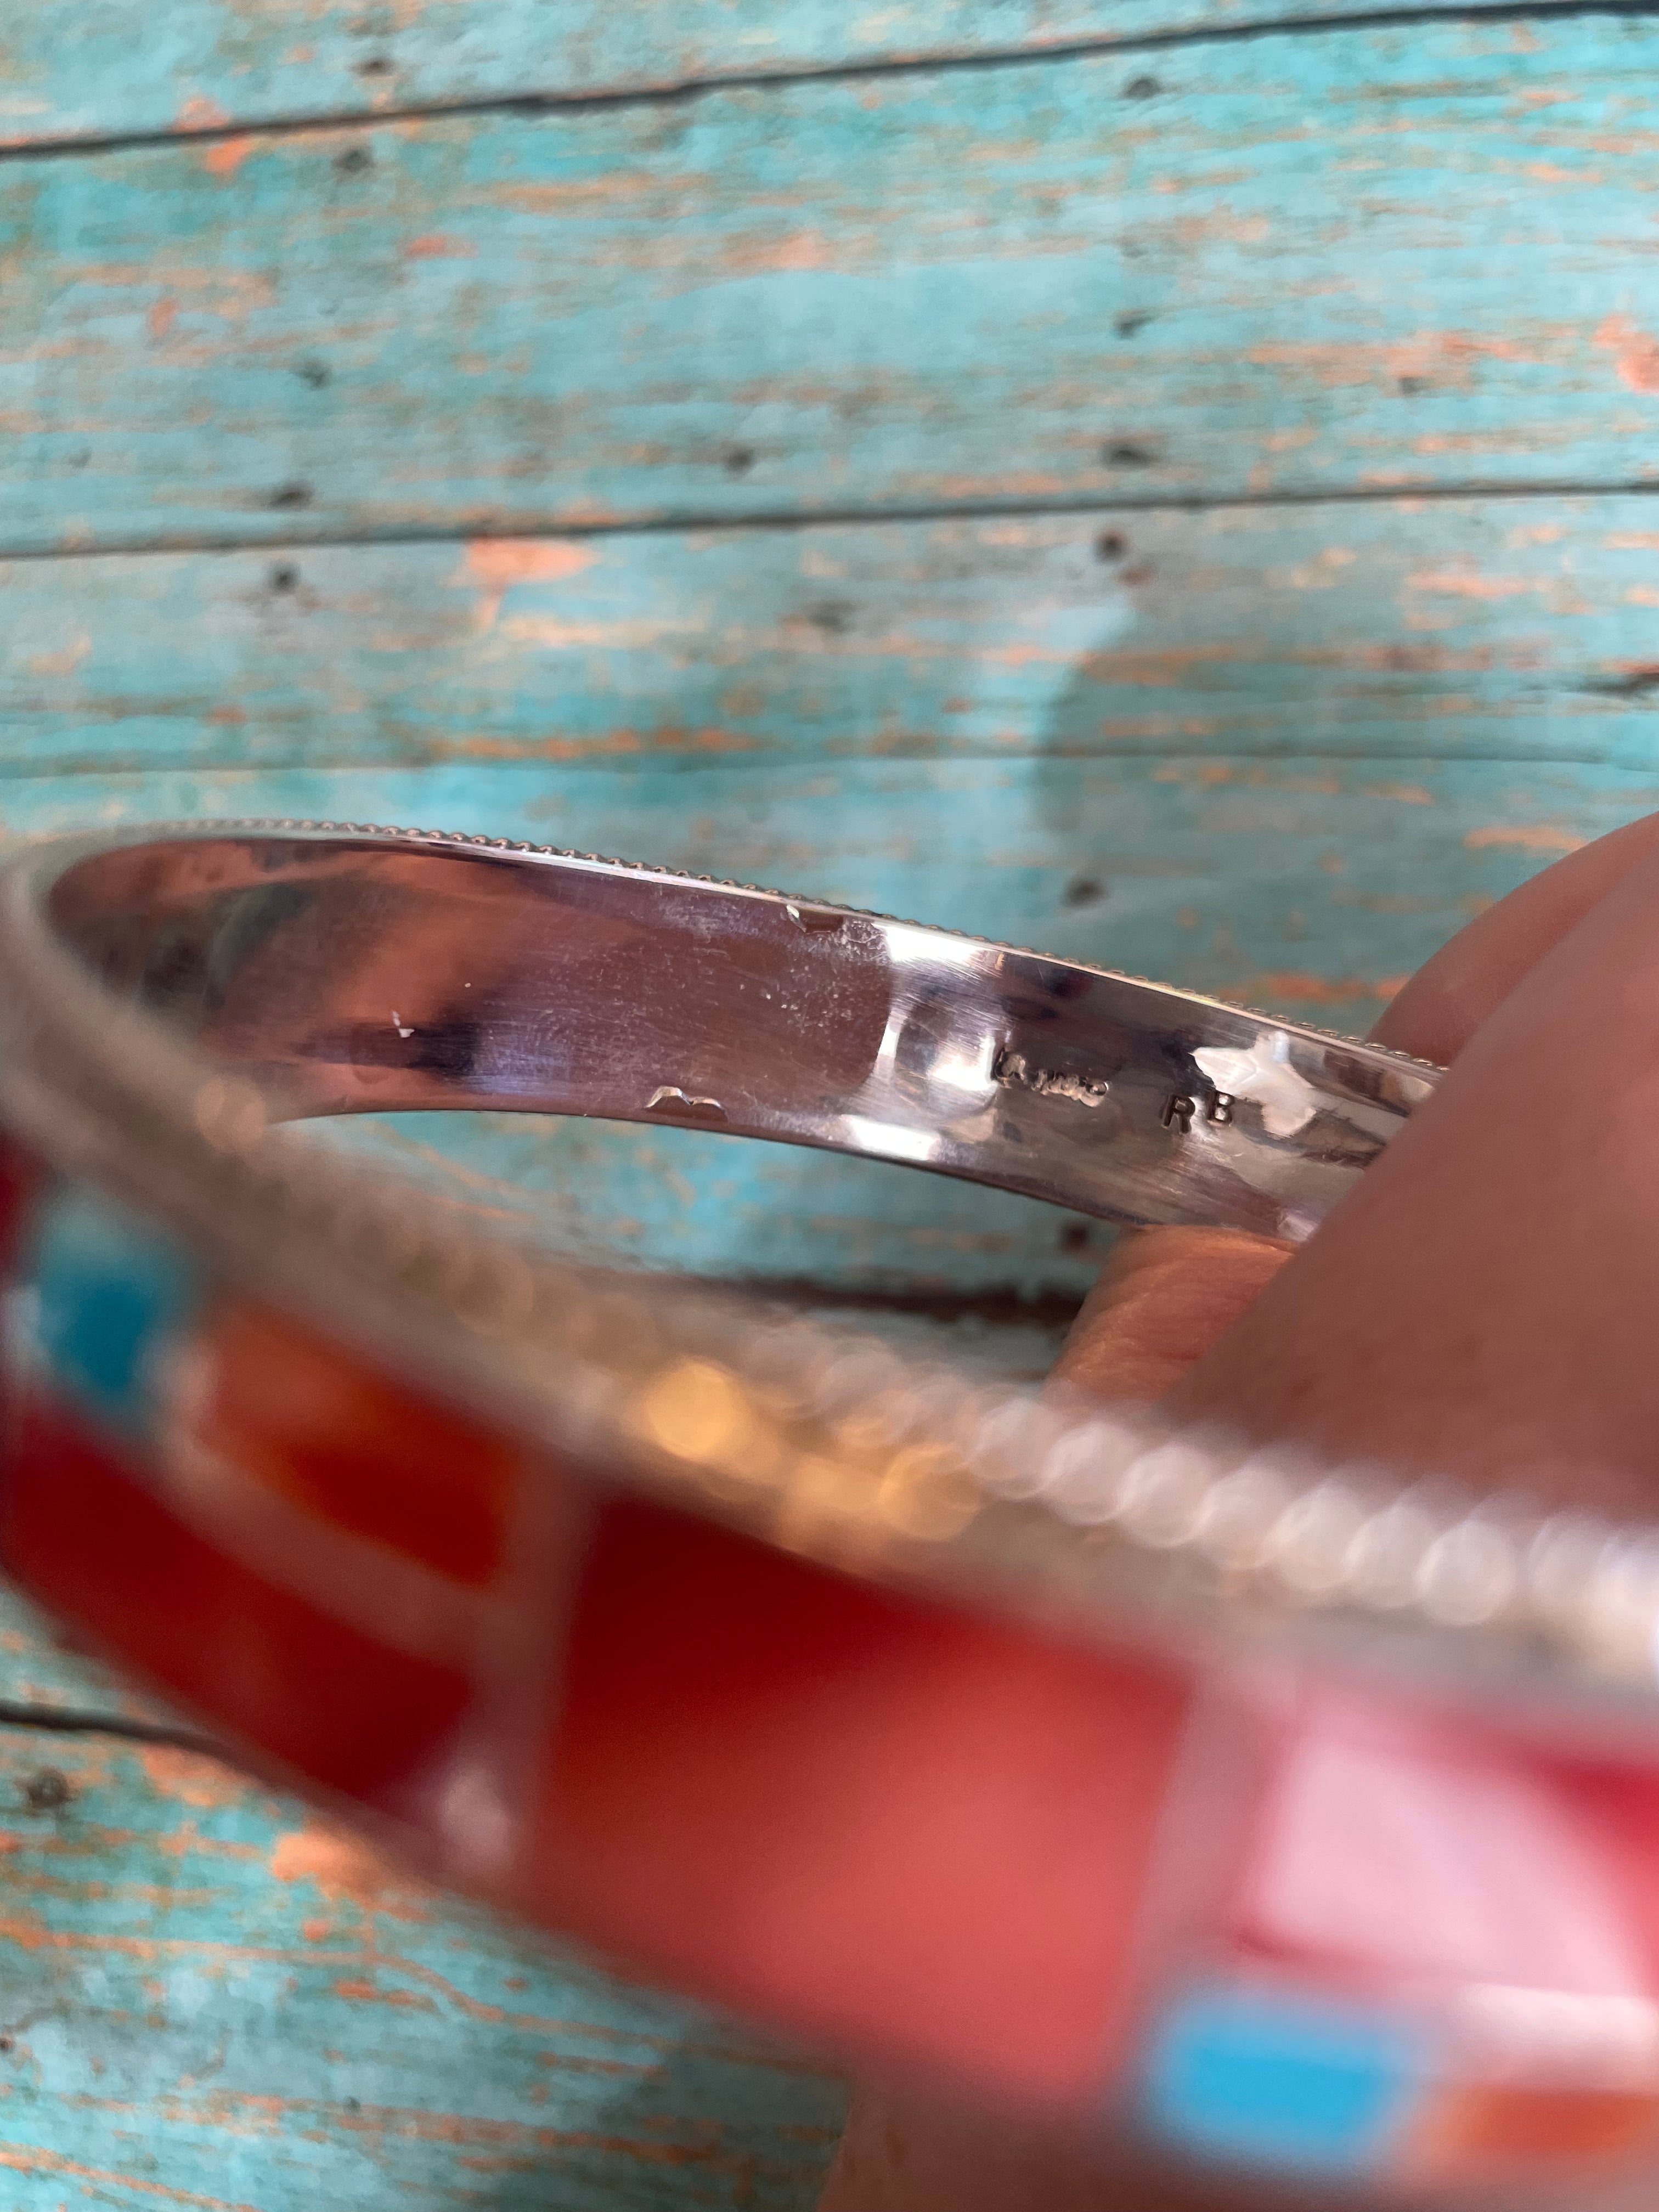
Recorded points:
(352, 973)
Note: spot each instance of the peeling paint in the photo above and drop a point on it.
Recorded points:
(494, 565)
(1461, 584)
(440, 246)
(1400, 794)
(1297, 987)
(924, 347)
(338, 1865)
(191, 1779)
(225, 156)
(1635, 353)
(198, 112)
(1524, 836)
(919, 643)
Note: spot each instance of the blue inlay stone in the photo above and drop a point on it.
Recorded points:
(1263, 2077)
(111, 1291)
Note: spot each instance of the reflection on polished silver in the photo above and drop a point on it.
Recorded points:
(169, 999)
(375, 973)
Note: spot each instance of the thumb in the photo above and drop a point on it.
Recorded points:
(1164, 1298)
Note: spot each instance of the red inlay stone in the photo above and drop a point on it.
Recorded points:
(1617, 1804)
(1496, 2125)
(79, 1531)
(22, 1175)
(877, 1820)
(22, 1178)
(360, 1448)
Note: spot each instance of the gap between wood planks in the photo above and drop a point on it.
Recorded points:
(50, 1720)
(921, 64)
(827, 518)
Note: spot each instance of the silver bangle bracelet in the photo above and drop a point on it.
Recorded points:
(168, 998)
(1135, 1777)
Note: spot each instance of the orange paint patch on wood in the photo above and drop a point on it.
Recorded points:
(673, 739)
(192, 1779)
(1304, 989)
(1028, 484)
(621, 188)
(1635, 353)
(552, 749)
(1200, 775)
(362, 1992)
(1419, 659)
(1261, 776)
(1403, 794)
(233, 292)
(801, 249)
(200, 113)
(341, 1867)
(440, 246)
(161, 318)
(224, 157)
(1467, 584)
(1443, 358)
(59, 664)
(493, 565)
(1525, 837)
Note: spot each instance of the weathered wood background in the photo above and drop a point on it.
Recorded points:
(1172, 481)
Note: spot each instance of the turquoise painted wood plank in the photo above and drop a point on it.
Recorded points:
(209, 1999)
(75, 68)
(1507, 628)
(1369, 257)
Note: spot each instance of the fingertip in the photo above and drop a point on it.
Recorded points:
(1163, 1299)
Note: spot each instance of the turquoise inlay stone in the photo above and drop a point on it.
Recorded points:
(112, 1290)
(1266, 2077)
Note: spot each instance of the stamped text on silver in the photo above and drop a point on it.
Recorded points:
(1015, 1072)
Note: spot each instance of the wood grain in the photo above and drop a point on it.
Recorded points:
(1518, 629)
(75, 68)
(1352, 261)
(209, 2000)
